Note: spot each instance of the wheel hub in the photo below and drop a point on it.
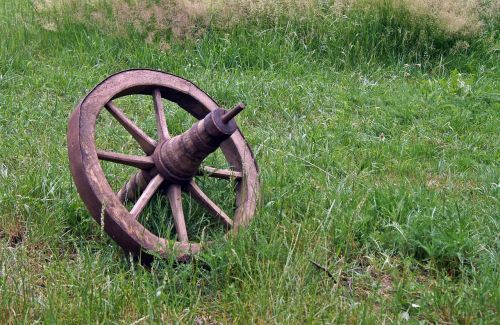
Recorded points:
(178, 159)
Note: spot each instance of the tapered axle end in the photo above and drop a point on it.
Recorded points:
(179, 158)
(233, 112)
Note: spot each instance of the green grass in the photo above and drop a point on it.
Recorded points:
(381, 164)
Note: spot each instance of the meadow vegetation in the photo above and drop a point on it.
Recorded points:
(375, 125)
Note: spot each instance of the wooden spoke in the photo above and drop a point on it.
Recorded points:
(135, 185)
(175, 198)
(148, 193)
(196, 192)
(129, 160)
(220, 173)
(160, 115)
(147, 144)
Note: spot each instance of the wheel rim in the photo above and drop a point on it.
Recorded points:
(106, 206)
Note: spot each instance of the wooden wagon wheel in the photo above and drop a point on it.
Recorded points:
(168, 166)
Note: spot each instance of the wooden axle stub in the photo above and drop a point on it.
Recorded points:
(179, 158)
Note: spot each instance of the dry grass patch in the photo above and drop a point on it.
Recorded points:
(13, 232)
(453, 16)
(189, 18)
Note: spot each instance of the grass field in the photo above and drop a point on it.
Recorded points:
(376, 128)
